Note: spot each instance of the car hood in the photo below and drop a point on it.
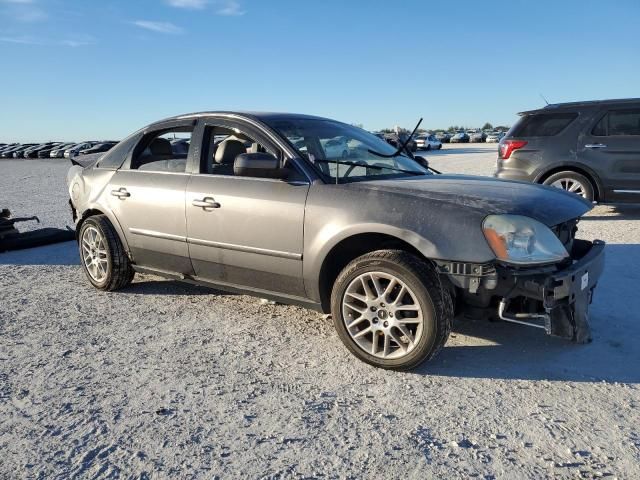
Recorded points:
(487, 196)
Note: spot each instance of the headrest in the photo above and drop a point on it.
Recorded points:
(228, 151)
(160, 146)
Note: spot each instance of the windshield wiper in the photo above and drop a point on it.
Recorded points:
(401, 148)
(366, 165)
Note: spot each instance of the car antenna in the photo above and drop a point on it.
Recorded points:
(401, 147)
(544, 98)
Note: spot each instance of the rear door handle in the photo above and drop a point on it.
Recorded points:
(206, 203)
(120, 193)
(595, 145)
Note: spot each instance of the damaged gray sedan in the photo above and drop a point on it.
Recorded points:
(266, 204)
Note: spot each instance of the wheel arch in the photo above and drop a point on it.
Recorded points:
(581, 169)
(96, 210)
(351, 247)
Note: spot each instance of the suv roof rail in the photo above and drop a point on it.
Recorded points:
(585, 103)
(614, 101)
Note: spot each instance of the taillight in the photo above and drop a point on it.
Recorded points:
(507, 147)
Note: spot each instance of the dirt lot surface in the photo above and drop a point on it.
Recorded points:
(170, 380)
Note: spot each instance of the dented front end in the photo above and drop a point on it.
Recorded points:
(555, 297)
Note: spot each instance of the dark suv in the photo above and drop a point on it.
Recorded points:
(589, 148)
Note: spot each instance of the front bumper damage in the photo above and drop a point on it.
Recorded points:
(552, 298)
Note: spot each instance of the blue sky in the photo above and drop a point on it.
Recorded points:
(80, 69)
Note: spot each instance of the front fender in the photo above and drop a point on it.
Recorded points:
(439, 230)
(331, 235)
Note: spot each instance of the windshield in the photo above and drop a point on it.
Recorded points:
(343, 153)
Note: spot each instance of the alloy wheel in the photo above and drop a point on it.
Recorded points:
(570, 185)
(382, 315)
(94, 253)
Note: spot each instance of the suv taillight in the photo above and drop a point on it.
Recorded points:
(507, 147)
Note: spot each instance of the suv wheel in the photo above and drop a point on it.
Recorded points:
(572, 182)
(391, 310)
(102, 255)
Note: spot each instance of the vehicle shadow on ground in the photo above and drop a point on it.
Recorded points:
(159, 286)
(617, 212)
(65, 253)
(483, 349)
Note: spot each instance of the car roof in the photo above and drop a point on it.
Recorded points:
(583, 104)
(262, 116)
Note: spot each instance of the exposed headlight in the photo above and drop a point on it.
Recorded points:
(522, 240)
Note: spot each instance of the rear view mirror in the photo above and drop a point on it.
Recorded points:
(262, 165)
(422, 161)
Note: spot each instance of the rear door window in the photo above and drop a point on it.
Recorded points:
(543, 124)
(618, 123)
(163, 151)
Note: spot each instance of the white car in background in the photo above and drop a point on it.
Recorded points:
(495, 137)
(335, 148)
(428, 142)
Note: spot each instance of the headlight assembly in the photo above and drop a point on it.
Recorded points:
(522, 240)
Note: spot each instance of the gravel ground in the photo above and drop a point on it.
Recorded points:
(170, 380)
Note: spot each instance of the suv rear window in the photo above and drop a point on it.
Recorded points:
(543, 124)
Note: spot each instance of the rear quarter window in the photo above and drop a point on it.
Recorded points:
(543, 124)
(115, 157)
(618, 122)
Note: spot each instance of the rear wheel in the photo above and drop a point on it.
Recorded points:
(391, 310)
(572, 182)
(103, 256)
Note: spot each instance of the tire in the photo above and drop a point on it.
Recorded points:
(429, 329)
(428, 147)
(574, 182)
(110, 268)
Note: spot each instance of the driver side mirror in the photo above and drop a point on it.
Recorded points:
(422, 161)
(261, 165)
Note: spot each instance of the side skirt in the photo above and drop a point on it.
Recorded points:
(232, 288)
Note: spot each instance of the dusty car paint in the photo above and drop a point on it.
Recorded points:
(278, 238)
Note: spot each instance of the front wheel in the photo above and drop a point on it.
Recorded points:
(103, 256)
(572, 182)
(391, 310)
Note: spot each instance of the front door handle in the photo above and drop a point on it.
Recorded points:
(120, 193)
(206, 203)
(595, 145)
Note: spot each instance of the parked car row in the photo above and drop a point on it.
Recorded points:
(54, 149)
(470, 136)
(434, 141)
